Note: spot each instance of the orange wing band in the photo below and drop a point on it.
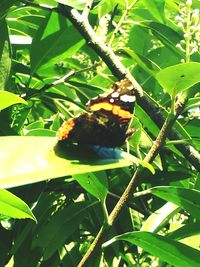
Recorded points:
(65, 128)
(115, 109)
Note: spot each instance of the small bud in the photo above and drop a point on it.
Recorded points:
(194, 50)
(188, 2)
(180, 25)
(179, 18)
(180, 47)
(186, 36)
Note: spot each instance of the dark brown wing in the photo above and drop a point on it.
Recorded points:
(87, 129)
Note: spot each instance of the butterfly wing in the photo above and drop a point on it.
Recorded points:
(108, 120)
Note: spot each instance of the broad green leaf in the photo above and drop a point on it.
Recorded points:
(188, 199)
(95, 184)
(139, 45)
(30, 159)
(169, 37)
(160, 217)
(78, 4)
(5, 57)
(63, 223)
(48, 2)
(14, 207)
(170, 251)
(53, 42)
(7, 99)
(180, 77)
(156, 8)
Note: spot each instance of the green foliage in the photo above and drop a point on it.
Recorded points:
(170, 251)
(180, 77)
(12, 206)
(48, 72)
(8, 99)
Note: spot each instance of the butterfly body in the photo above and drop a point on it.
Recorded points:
(107, 122)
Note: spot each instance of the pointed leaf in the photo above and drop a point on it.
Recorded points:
(168, 250)
(96, 185)
(14, 207)
(7, 99)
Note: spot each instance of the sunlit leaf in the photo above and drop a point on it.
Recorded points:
(14, 207)
(30, 159)
(179, 77)
(7, 99)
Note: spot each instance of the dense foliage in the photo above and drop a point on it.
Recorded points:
(52, 61)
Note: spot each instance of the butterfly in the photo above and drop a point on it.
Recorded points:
(107, 121)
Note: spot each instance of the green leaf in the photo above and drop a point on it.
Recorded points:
(160, 217)
(14, 207)
(30, 159)
(95, 184)
(168, 250)
(148, 166)
(188, 199)
(53, 42)
(156, 8)
(187, 230)
(5, 60)
(180, 77)
(169, 37)
(7, 99)
(78, 4)
(40, 132)
(149, 66)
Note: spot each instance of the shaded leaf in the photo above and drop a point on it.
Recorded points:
(65, 221)
(95, 185)
(168, 250)
(14, 207)
(188, 199)
(51, 46)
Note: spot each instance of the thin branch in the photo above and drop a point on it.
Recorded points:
(63, 79)
(131, 205)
